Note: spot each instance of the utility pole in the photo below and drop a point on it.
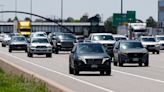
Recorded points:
(31, 9)
(61, 15)
(121, 11)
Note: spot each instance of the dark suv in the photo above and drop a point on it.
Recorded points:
(63, 41)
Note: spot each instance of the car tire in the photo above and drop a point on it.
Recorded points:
(153, 52)
(10, 50)
(108, 72)
(56, 51)
(70, 70)
(146, 63)
(49, 55)
(3, 45)
(75, 71)
(157, 52)
(114, 62)
(101, 72)
(29, 54)
(119, 62)
(25, 50)
(140, 63)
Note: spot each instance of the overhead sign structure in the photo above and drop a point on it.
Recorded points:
(119, 19)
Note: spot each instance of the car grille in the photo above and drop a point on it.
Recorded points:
(94, 61)
(108, 46)
(41, 47)
(67, 44)
(150, 45)
(135, 55)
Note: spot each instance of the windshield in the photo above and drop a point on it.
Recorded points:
(148, 39)
(102, 37)
(20, 39)
(90, 48)
(39, 41)
(131, 45)
(67, 36)
(40, 35)
(160, 38)
(120, 38)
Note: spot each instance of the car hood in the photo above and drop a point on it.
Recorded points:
(105, 42)
(149, 43)
(67, 40)
(93, 56)
(161, 42)
(40, 44)
(18, 43)
(135, 51)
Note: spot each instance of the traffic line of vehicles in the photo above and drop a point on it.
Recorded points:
(94, 53)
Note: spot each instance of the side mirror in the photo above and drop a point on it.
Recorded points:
(87, 40)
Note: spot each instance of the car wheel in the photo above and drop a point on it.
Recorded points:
(49, 55)
(70, 70)
(25, 50)
(3, 45)
(120, 63)
(56, 51)
(153, 52)
(114, 62)
(108, 72)
(30, 54)
(10, 50)
(157, 52)
(75, 71)
(140, 63)
(101, 72)
(146, 63)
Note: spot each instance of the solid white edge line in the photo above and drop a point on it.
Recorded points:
(82, 81)
(147, 78)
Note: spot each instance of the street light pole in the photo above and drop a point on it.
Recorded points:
(2, 10)
(61, 14)
(31, 9)
(15, 8)
(121, 11)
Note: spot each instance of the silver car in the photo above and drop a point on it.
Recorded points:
(130, 51)
(39, 46)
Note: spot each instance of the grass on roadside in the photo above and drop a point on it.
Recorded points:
(13, 83)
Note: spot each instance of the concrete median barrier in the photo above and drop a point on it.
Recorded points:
(11, 68)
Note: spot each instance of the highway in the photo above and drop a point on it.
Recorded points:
(129, 78)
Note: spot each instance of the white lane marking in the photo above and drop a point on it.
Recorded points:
(147, 78)
(82, 81)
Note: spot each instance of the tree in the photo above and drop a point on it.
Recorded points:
(27, 19)
(151, 22)
(9, 20)
(84, 18)
(69, 19)
(108, 26)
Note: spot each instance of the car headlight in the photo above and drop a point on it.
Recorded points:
(32, 47)
(104, 60)
(157, 45)
(124, 53)
(49, 46)
(82, 59)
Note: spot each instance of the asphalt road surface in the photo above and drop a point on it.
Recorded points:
(129, 78)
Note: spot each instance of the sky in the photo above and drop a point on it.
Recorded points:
(77, 8)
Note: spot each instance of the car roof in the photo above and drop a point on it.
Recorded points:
(87, 43)
(147, 36)
(159, 36)
(101, 34)
(119, 36)
(129, 41)
(18, 36)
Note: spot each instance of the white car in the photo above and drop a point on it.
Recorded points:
(120, 37)
(160, 39)
(39, 46)
(150, 43)
(38, 34)
(103, 38)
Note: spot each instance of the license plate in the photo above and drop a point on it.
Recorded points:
(135, 59)
(94, 66)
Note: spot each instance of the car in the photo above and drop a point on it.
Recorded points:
(18, 43)
(38, 34)
(2, 36)
(130, 51)
(89, 57)
(5, 41)
(160, 40)
(150, 43)
(53, 35)
(105, 39)
(63, 41)
(80, 38)
(120, 37)
(39, 46)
